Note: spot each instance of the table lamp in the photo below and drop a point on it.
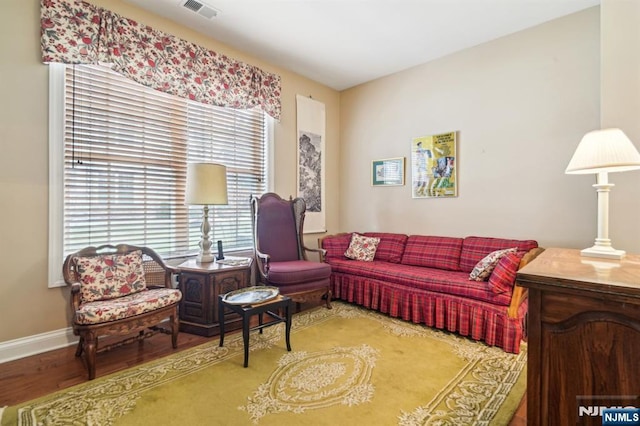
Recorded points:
(206, 185)
(601, 152)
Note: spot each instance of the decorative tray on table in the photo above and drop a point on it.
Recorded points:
(251, 295)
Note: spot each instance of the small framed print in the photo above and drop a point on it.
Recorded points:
(387, 172)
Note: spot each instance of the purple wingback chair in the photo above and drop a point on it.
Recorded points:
(280, 252)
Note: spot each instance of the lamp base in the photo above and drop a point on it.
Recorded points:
(205, 255)
(205, 258)
(604, 252)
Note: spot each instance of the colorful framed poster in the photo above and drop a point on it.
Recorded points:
(387, 172)
(433, 166)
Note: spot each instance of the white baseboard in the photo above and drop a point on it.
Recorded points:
(32, 345)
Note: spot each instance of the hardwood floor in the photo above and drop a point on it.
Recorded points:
(38, 375)
(520, 416)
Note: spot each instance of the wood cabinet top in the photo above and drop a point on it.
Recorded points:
(566, 269)
(228, 264)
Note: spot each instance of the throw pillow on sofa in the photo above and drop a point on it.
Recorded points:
(484, 268)
(362, 248)
(504, 275)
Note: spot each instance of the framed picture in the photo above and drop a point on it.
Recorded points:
(387, 172)
(433, 166)
(311, 156)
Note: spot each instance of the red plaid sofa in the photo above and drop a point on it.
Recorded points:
(425, 279)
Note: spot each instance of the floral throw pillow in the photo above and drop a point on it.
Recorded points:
(362, 248)
(484, 268)
(110, 276)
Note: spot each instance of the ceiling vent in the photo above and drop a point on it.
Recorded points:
(200, 8)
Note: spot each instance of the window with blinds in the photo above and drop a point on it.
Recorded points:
(126, 148)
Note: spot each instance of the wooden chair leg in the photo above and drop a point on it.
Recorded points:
(80, 346)
(90, 349)
(328, 299)
(175, 328)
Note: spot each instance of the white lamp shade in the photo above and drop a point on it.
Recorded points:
(206, 184)
(607, 150)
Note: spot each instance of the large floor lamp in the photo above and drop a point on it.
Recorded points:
(206, 185)
(602, 152)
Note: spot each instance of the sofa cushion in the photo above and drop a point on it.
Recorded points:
(476, 248)
(362, 248)
(297, 271)
(418, 277)
(100, 311)
(110, 276)
(433, 252)
(503, 276)
(391, 246)
(484, 268)
(336, 245)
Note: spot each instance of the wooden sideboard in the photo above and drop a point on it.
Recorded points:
(201, 284)
(583, 336)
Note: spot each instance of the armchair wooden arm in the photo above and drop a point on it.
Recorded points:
(75, 296)
(263, 263)
(321, 252)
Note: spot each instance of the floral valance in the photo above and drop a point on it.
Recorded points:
(76, 32)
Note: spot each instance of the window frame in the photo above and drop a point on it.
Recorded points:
(56, 170)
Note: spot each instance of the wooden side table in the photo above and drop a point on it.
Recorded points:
(584, 336)
(247, 311)
(201, 284)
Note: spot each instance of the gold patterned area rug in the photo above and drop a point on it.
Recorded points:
(348, 366)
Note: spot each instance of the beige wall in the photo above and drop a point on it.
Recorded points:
(27, 306)
(620, 107)
(520, 105)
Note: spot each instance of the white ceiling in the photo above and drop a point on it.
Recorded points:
(342, 43)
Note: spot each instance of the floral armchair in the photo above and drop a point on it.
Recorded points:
(119, 290)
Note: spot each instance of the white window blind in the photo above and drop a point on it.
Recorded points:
(126, 148)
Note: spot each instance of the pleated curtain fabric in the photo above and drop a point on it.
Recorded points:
(77, 32)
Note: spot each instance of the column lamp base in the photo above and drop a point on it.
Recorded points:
(604, 252)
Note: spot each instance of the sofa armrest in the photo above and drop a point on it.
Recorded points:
(323, 254)
(520, 294)
(321, 243)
